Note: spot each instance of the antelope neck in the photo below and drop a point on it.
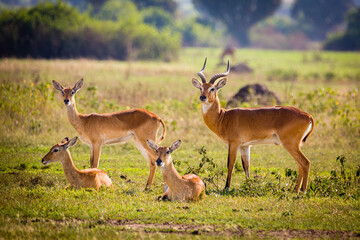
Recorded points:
(73, 116)
(212, 116)
(172, 178)
(69, 168)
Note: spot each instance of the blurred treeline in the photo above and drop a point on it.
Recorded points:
(350, 39)
(156, 29)
(57, 30)
(116, 30)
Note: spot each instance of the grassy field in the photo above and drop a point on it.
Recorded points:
(33, 201)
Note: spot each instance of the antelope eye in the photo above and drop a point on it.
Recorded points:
(63, 93)
(167, 152)
(73, 92)
(55, 150)
(212, 89)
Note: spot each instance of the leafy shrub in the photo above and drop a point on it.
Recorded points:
(197, 34)
(22, 106)
(57, 30)
(158, 18)
(325, 104)
(350, 40)
(272, 183)
(125, 11)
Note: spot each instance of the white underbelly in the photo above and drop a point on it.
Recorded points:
(123, 139)
(273, 140)
(85, 140)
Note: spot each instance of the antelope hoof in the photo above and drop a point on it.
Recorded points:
(164, 198)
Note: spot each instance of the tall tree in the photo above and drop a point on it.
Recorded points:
(317, 17)
(350, 39)
(238, 15)
(167, 5)
(96, 4)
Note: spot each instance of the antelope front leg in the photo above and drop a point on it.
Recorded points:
(151, 174)
(166, 194)
(148, 154)
(245, 158)
(95, 155)
(233, 148)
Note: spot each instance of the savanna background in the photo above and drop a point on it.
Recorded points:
(143, 54)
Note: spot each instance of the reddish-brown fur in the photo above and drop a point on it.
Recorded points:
(87, 178)
(178, 188)
(227, 51)
(97, 129)
(241, 128)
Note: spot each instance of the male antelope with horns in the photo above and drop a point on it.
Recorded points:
(240, 128)
(97, 129)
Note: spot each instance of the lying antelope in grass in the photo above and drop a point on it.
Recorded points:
(240, 128)
(87, 178)
(97, 129)
(178, 188)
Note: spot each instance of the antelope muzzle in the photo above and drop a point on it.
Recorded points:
(159, 162)
(203, 98)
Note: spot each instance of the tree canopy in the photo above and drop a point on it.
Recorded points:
(318, 17)
(57, 30)
(238, 15)
(167, 5)
(350, 40)
(158, 17)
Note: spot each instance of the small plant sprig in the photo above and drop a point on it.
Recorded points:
(204, 160)
(342, 159)
(344, 184)
(340, 184)
(207, 165)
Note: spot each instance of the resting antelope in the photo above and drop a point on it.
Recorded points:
(97, 129)
(178, 188)
(87, 178)
(241, 128)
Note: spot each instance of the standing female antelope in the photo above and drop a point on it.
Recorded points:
(177, 188)
(244, 127)
(87, 178)
(97, 129)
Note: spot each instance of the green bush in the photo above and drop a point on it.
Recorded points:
(50, 30)
(197, 34)
(158, 18)
(350, 40)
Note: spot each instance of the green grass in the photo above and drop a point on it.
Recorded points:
(34, 203)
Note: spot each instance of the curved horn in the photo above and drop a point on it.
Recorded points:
(219, 75)
(201, 74)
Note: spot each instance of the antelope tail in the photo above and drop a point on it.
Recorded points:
(164, 131)
(312, 128)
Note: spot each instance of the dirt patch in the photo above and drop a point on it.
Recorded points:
(206, 230)
(213, 230)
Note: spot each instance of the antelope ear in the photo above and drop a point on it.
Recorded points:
(175, 145)
(65, 140)
(152, 145)
(196, 83)
(70, 143)
(57, 86)
(78, 85)
(220, 84)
